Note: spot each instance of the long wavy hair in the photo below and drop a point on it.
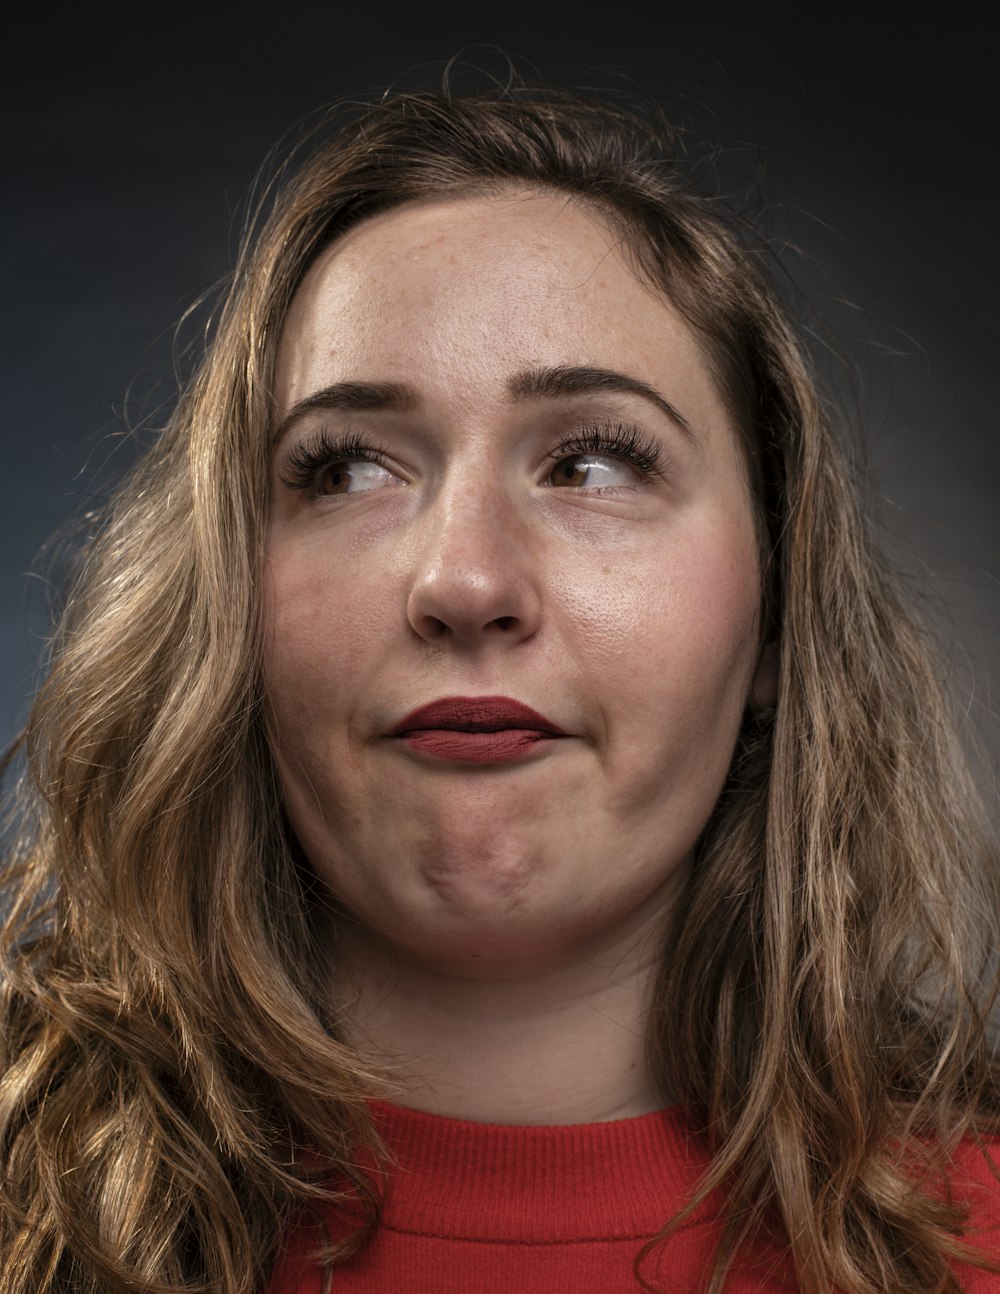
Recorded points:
(174, 1087)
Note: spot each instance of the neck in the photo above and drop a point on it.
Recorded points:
(564, 1045)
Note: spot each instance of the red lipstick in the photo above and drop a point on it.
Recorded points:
(477, 729)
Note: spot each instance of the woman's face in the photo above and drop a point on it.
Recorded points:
(502, 473)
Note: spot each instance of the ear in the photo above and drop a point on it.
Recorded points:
(764, 688)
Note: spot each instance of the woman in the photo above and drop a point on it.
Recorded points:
(486, 778)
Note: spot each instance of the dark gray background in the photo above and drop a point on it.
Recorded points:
(132, 135)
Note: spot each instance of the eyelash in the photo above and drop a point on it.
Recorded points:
(307, 459)
(618, 440)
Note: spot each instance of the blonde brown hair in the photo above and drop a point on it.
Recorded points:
(173, 1083)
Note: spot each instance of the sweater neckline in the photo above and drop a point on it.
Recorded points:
(454, 1178)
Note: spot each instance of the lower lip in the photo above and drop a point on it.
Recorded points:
(478, 747)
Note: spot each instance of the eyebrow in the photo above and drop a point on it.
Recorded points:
(532, 384)
(354, 396)
(551, 383)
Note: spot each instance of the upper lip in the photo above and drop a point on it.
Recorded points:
(476, 714)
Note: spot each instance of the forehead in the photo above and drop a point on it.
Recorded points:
(452, 296)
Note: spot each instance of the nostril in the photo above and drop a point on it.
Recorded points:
(463, 604)
(436, 628)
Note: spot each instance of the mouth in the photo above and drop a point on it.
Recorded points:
(477, 729)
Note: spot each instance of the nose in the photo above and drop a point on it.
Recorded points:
(477, 575)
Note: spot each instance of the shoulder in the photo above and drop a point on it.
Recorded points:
(973, 1183)
(974, 1172)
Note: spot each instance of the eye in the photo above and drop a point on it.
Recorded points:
(351, 477)
(607, 456)
(329, 466)
(593, 470)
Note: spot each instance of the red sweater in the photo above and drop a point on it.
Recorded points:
(475, 1208)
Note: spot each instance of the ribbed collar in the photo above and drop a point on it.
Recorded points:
(622, 1179)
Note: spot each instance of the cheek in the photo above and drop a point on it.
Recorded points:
(715, 604)
(669, 642)
(690, 606)
(320, 624)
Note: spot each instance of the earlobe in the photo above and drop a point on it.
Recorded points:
(764, 689)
